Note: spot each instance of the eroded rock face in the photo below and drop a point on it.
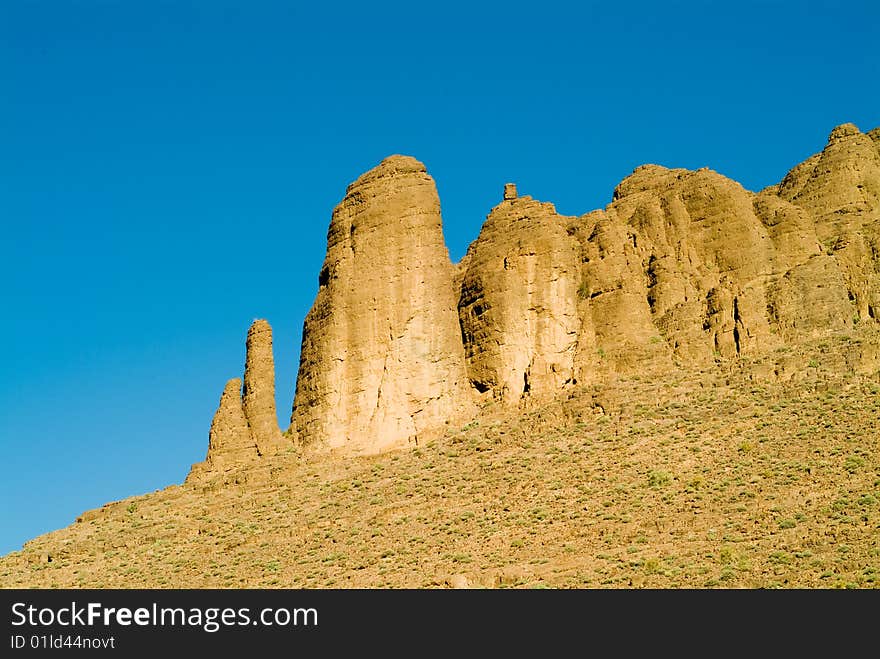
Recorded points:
(790, 227)
(382, 358)
(810, 297)
(259, 388)
(616, 332)
(682, 267)
(840, 189)
(705, 257)
(518, 305)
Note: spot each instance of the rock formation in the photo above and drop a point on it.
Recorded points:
(518, 305)
(682, 268)
(259, 388)
(231, 439)
(839, 187)
(693, 255)
(245, 426)
(382, 359)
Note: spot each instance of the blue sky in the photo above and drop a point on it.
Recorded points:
(168, 170)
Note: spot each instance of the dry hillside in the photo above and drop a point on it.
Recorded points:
(738, 479)
(679, 390)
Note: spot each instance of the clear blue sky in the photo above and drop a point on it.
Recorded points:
(168, 170)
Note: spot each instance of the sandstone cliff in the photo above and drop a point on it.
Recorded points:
(382, 359)
(682, 268)
(692, 356)
(518, 303)
(840, 189)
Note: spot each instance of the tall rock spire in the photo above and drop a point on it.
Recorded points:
(259, 388)
(382, 358)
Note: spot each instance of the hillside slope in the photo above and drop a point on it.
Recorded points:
(767, 475)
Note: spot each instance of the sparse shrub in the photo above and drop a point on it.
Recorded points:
(658, 478)
(727, 574)
(867, 500)
(853, 463)
(780, 558)
(584, 290)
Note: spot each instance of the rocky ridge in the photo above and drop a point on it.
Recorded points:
(682, 269)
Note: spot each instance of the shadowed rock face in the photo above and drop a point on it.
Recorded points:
(381, 358)
(259, 388)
